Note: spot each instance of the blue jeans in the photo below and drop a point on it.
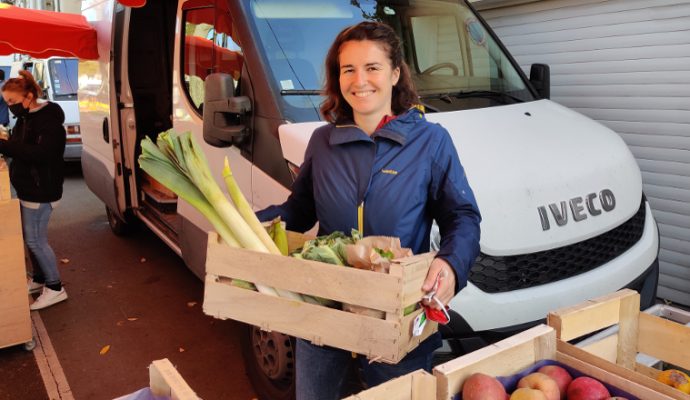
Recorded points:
(320, 371)
(35, 230)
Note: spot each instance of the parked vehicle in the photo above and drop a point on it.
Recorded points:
(564, 216)
(57, 76)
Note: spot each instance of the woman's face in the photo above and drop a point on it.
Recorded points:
(14, 97)
(367, 78)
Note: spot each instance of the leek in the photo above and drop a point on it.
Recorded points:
(174, 165)
(246, 211)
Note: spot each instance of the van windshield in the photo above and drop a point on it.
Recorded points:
(455, 62)
(63, 78)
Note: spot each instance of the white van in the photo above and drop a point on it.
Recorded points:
(564, 216)
(57, 76)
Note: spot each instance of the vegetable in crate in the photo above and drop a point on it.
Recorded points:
(675, 378)
(177, 162)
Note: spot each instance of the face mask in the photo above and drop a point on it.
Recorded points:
(18, 110)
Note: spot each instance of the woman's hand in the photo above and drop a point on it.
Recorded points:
(446, 282)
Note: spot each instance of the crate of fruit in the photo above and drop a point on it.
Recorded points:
(529, 365)
(637, 333)
(417, 385)
(386, 334)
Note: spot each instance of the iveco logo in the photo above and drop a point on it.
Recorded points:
(591, 204)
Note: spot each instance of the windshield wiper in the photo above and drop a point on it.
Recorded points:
(301, 92)
(485, 93)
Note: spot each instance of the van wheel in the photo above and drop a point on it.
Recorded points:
(117, 224)
(269, 359)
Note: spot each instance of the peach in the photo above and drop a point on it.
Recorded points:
(527, 394)
(483, 387)
(558, 374)
(586, 388)
(542, 382)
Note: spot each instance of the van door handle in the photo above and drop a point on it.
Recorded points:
(106, 131)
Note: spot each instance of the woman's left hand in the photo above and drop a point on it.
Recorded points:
(446, 282)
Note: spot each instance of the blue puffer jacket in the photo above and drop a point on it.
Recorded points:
(404, 176)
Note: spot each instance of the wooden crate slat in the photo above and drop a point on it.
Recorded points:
(309, 277)
(628, 329)
(606, 348)
(590, 316)
(664, 339)
(642, 386)
(164, 380)
(502, 358)
(417, 385)
(323, 326)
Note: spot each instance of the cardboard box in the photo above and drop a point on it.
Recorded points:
(387, 340)
(638, 332)
(15, 323)
(417, 385)
(520, 352)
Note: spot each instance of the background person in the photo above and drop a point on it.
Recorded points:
(36, 147)
(379, 158)
(4, 113)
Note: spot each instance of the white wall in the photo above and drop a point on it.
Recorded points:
(625, 63)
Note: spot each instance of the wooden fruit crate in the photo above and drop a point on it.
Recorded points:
(522, 351)
(417, 385)
(15, 323)
(164, 383)
(387, 340)
(638, 332)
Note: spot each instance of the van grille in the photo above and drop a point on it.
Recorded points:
(503, 274)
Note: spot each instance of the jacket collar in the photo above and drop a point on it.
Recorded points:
(396, 130)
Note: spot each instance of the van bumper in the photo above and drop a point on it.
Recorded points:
(459, 336)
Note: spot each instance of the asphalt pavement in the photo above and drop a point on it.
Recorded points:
(131, 301)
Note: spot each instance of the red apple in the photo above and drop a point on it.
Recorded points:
(586, 388)
(483, 387)
(558, 374)
(542, 382)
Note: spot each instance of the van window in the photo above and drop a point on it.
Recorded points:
(210, 45)
(449, 51)
(63, 78)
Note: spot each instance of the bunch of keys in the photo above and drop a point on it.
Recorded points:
(441, 316)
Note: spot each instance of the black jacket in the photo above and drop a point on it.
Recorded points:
(36, 146)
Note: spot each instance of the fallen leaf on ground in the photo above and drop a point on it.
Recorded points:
(64, 260)
(132, 319)
(181, 350)
(191, 303)
(143, 259)
(105, 349)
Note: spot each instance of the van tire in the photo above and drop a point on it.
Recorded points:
(119, 226)
(269, 360)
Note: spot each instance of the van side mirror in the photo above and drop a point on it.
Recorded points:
(223, 112)
(540, 77)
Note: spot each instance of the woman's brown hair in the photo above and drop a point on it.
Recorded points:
(25, 83)
(404, 95)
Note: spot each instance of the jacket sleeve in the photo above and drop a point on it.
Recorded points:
(299, 211)
(50, 145)
(455, 210)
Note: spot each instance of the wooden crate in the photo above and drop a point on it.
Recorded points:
(417, 385)
(165, 383)
(164, 380)
(15, 323)
(387, 340)
(638, 332)
(521, 351)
